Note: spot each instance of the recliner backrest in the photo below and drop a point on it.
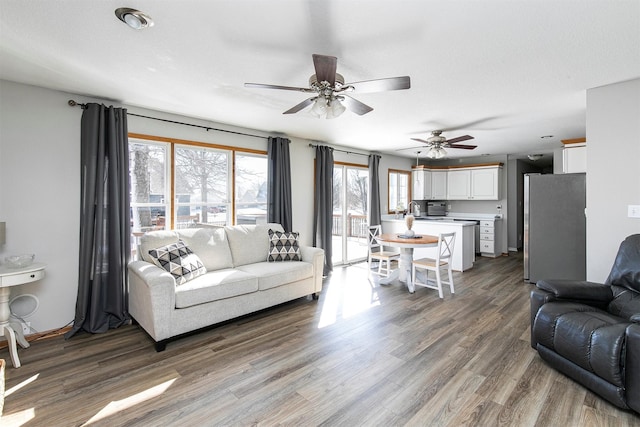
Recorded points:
(624, 279)
(626, 267)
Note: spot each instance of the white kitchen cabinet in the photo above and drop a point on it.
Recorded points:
(474, 184)
(490, 232)
(438, 185)
(458, 184)
(574, 159)
(485, 184)
(421, 184)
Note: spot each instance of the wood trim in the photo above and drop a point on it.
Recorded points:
(195, 143)
(470, 166)
(42, 335)
(355, 165)
(574, 141)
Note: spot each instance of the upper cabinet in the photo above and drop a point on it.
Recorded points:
(574, 155)
(421, 179)
(439, 185)
(458, 184)
(473, 182)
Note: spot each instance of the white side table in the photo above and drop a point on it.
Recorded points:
(13, 277)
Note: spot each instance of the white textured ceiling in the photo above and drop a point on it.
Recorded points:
(506, 72)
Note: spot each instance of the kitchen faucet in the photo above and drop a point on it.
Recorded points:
(415, 207)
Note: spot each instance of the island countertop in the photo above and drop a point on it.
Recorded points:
(464, 246)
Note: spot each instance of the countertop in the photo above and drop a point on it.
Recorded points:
(434, 221)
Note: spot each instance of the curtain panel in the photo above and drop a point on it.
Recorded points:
(102, 301)
(375, 216)
(323, 210)
(279, 207)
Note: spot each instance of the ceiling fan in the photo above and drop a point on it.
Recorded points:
(329, 90)
(437, 144)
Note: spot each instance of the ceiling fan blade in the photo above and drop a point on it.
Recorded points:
(356, 106)
(458, 139)
(380, 85)
(325, 68)
(304, 104)
(265, 86)
(464, 147)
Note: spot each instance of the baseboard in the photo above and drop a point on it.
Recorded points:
(42, 335)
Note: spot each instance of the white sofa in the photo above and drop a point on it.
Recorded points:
(238, 279)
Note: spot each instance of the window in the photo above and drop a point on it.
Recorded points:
(199, 189)
(250, 189)
(149, 185)
(202, 186)
(399, 193)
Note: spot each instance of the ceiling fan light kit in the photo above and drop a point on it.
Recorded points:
(437, 144)
(329, 88)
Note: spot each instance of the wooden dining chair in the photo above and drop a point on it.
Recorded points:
(377, 252)
(442, 261)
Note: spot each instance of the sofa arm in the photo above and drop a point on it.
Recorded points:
(632, 367)
(590, 293)
(151, 298)
(316, 257)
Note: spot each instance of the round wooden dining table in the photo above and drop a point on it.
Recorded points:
(406, 245)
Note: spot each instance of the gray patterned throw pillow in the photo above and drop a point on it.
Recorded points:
(283, 246)
(178, 260)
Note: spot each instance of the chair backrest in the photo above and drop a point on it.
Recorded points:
(446, 242)
(372, 242)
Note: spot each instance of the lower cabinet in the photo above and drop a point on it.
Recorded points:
(490, 232)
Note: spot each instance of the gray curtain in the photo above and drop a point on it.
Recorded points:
(279, 207)
(102, 301)
(375, 217)
(323, 214)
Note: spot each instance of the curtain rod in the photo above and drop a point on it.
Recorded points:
(73, 103)
(342, 151)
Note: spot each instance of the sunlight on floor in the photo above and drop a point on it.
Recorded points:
(120, 405)
(21, 417)
(22, 384)
(347, 297)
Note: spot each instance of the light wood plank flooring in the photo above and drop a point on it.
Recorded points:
(363, 354)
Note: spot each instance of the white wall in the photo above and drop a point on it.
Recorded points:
(40, 183)
(613, 172)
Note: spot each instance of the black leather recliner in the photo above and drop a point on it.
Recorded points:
(591, 331)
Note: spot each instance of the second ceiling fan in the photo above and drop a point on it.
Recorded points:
(329, 90)
(437, 144)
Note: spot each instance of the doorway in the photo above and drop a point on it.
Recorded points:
(350, 222)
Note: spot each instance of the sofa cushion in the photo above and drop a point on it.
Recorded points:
(215, 285)
(283, 246)
(274, 274)
(178, 260)
(210, 244)
(249, 243)
(156, 239)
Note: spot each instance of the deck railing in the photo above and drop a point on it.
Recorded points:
(356, 226)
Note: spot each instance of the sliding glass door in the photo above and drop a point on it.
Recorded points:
(350, 198)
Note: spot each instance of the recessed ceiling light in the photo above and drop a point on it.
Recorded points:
(134, 18)
(534, 157)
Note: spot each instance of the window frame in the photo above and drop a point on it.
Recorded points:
(170, 166)
(390, 208)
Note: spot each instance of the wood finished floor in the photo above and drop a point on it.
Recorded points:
(363, 354)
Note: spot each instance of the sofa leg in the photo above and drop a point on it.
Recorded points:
(160, 345)
(315, 295)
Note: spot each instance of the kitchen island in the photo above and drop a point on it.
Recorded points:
(464, 248)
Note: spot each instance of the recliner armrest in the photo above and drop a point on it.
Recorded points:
(577, 290)
(632, 366)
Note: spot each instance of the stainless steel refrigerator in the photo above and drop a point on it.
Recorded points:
(554, 227)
